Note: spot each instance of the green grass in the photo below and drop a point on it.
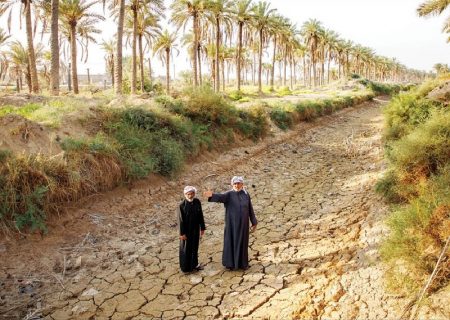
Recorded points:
(418, 180)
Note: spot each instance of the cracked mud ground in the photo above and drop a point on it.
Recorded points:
(313, 256)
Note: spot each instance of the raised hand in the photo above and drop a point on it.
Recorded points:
(208, 194)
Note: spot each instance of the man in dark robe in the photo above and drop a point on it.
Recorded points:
(192, 227)
(238, 213)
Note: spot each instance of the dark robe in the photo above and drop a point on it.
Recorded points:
(190, 220)
(238, 213)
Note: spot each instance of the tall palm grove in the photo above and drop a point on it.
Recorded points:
(229, 43)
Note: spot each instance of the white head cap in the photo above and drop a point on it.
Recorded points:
(189, 189)
(237, 179)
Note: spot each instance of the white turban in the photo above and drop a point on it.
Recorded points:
(237, 179)
(190, 189)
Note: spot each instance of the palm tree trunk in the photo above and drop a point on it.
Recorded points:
(168, 71)
(69, 77)
(294, 63)
(328, 67)
(31, 54)
(280, 72)
(199, 56)
(141, 62)
(291, 74)
(217, 87)
(118, 70)
(223, 74)
(18, 82)
(285, 70)
(150, 72)
(239, 57)
(260, 61)
(54, 73)
(272, 69)
(28, 78)
(314, 71)
(73, 46)
(304, 70)
(254, 69)
(21, 81)
(133, 52)
(112, 71)
(195, 30)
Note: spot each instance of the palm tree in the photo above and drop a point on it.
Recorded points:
(75, 14)
(19, 59)
(182, 12)
(8, 5)
(219, 13)
(54, 73)
(147, 28)
(262, 15)
(137, 8)
(117, 8)
(3, 37)
(3, 59)
(164, 47)
(441, 68)
(109, 47)
(242, 13)
(435, 7)
(311, 31)
(276, 25)
(330, 44)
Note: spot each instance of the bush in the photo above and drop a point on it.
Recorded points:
(404, 113)
(253, 122)
(418, 147)
(425, 150)
(418, 234)
(202, 105)
(281, 117)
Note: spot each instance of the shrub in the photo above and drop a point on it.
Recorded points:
(281, 117)
(425, 150)
(284, 91)
(253, 122)
(236, 95)
(203, 105)
(418, 147)
(404, 113)
(418, 234)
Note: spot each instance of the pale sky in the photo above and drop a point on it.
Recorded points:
(390, 27)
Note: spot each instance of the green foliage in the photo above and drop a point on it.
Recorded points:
(34, 214)
(425, 150)
(404, 113)
(418, 233)
(4, 155)
(253, 122)
(97, 145)
(386, 186)
(205, 106)
(23, 193)
(24, 111)
(284, 91)
(282, 117)
(149, 142)
(379, 88)
(418, 147)
(236, 95)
